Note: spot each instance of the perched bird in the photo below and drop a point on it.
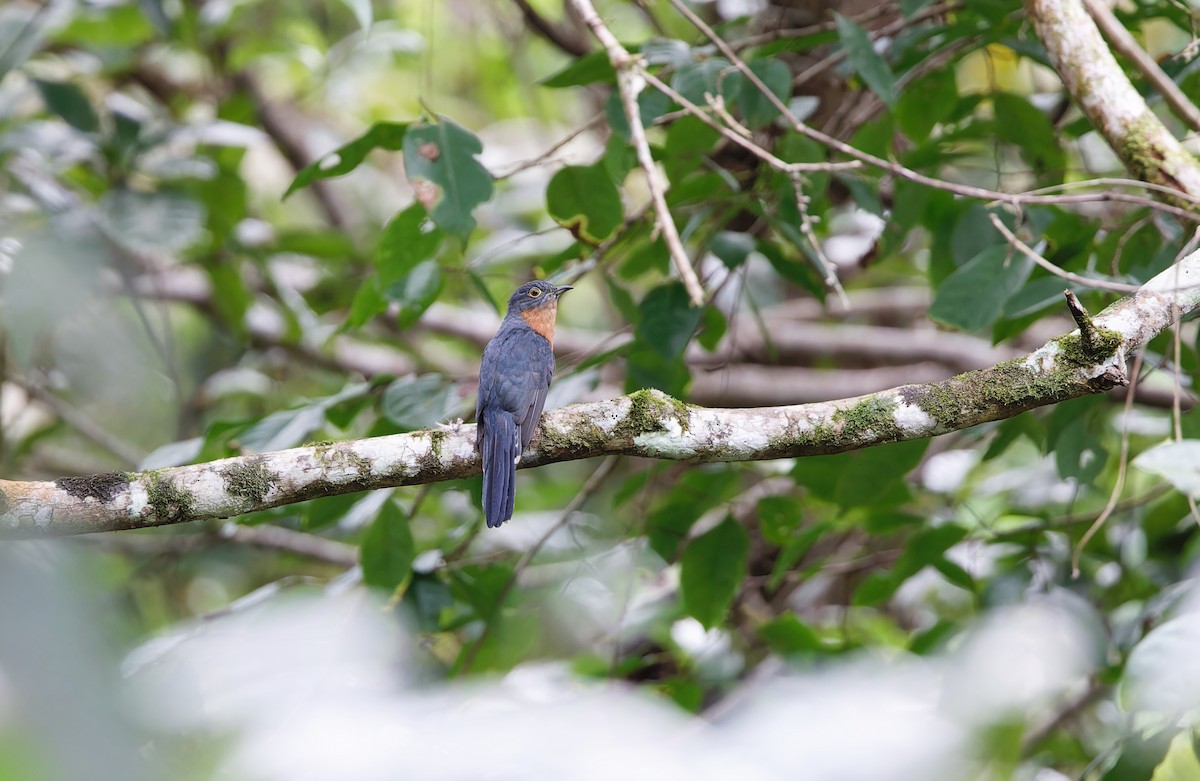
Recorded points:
(513, 379)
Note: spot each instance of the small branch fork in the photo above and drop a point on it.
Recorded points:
(629, 85)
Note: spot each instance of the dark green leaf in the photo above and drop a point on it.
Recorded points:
(408, 239)
(755, 106)
(584, 200)
(778, 516)
(876, 588)
(592, 68)
(381, 135)
(697, 492)
(862, 478)
(368, 302)
(732, 247)
(925, 103)
(712, 328)
(667, 320)
(713, 76)
(440, 162)
(1022, 124)
(867, 62)
(712, 570)
(973, 297)
(789, 635)
(69, 102)
(387, 550)
(652, 104)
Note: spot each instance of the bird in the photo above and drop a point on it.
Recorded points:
(514, 377)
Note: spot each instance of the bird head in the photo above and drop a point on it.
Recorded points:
(535, 295)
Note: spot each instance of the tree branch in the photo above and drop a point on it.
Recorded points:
(1124, 42)
(629, 85)
(1096, 82)
(646, 423)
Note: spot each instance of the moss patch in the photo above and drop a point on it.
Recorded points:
(170, 502)
(103, 487)
(966, 399)
(1071, 347)
(647, 410)
(579, 435)
(249, 479)
(872, 415)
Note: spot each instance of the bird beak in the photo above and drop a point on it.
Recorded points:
(558, 291)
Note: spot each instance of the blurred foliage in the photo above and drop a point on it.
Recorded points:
(233, 227)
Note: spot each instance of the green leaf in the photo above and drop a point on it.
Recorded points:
(592, 68)
(387, 550)
(867, 62)
(973, 297)
(732, 247)
(667, 320)
(696, 492)
(713, 76)
(408, 239)
(416, 402)
(925, 103)
(153, 223)
(712, 570)
(416, 292)
(368, 302)
(755, 106)
(584, 200)
(875, 589)
(381, 135)
(1177, 462)
(862, 478)
(1020, 123)
(440, 162)
(652, 104)
(712, 329)
(69, 102)
(778, 516)
(789, 635)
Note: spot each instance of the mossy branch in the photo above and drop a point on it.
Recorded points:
(646, 423)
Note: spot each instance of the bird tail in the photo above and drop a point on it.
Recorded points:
(500, 448)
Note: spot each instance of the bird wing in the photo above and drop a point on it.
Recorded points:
(515, 377)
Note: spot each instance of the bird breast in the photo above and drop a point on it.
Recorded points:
(541, 321)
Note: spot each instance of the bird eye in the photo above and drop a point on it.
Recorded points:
(534, 293)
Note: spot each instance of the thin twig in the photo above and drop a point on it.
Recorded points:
(128, 454)
(281, 538)
(831, 277)
(544, 157)
(628, 87)
(1121, 40)
(1042, 732)
(564, 39)
(1032, 254)
(896, 169)
(1122, 468)
(590, 487)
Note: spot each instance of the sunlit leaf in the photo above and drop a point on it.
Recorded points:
(584, 200)
(1176, 462)
(343, 160)
(440, 161)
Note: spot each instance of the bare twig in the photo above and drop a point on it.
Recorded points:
(281, 538)
(831, 278)
(1032, 254)
(563, 38)
(1123, 42)
(1122, 467)
(128, 454)
(628, 86)
(1040, 733)
(969, 191)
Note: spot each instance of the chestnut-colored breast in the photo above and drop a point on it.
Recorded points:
(541, 320)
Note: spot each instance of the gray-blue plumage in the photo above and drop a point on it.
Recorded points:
(514, 377)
